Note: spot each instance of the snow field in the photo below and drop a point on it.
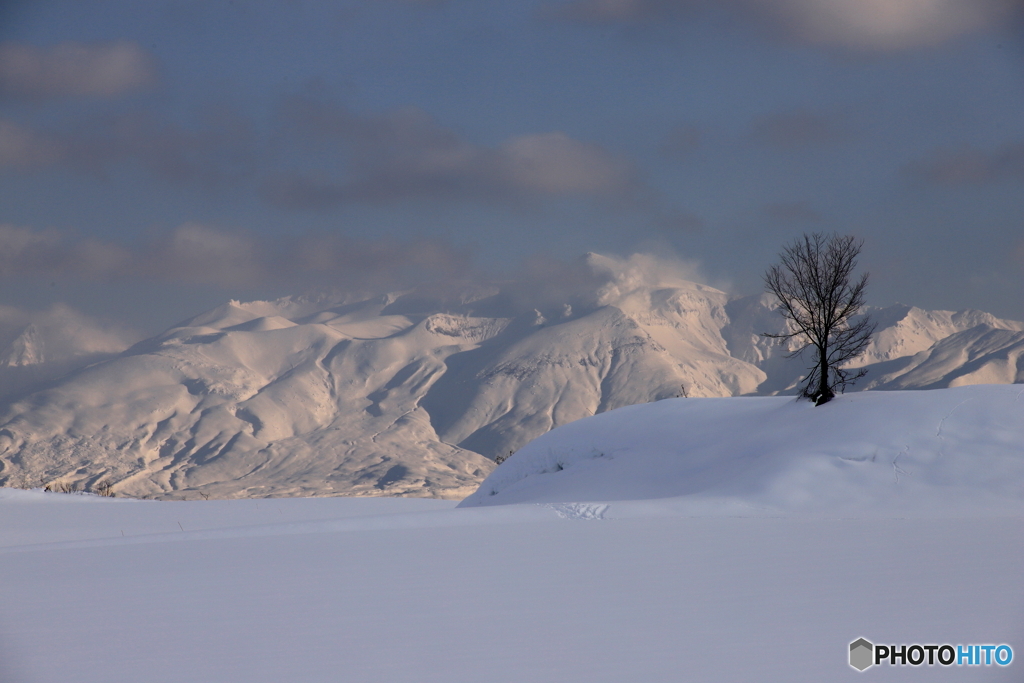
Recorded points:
(726, 540)
(538, 598)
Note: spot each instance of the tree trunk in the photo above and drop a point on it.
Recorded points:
(824, 393)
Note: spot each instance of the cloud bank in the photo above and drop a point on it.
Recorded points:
(74, 69)
(374, 159)
(862, 25)
(194, 253)
(969, 165)
(219, 150)
(407, 154)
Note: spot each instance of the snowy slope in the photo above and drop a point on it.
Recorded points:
(904, 337)
(943, 452)
(979, 355)
(38, 347)
(239, 403)
(788, 532)
(417, 393)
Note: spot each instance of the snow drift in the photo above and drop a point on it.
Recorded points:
(944, 452)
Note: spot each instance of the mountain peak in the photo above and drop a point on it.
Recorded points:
(26, 349)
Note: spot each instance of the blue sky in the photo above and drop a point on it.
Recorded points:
(159, 158)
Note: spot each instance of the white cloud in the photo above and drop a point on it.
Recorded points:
(51, 253)
(864, 25)
(20, 247)
(75, 69)
(886, 24)
(406, 153)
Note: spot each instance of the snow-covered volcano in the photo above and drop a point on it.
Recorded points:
(412, 394)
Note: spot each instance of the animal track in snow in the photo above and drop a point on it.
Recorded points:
(942, 422)
(896, 469)
(579, 510)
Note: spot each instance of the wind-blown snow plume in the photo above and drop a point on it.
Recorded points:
(38, 346)
(639, 274)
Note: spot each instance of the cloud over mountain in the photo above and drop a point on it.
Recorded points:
(199, 254)
(218, 149)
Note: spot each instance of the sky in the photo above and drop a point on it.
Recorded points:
(160, 158)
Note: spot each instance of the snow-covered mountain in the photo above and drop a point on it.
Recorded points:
(39, 347)
(417, 394)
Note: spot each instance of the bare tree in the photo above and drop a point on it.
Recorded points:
(818, 298)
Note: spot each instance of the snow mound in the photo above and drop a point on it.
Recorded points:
(941, 452)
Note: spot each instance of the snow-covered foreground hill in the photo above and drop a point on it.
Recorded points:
(771, 554)
(942, 452)
(417, 395)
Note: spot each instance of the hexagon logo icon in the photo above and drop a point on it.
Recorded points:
(861, 654)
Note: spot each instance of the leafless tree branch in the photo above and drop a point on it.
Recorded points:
(817, 297)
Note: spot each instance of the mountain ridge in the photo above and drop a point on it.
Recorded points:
(417, 394)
